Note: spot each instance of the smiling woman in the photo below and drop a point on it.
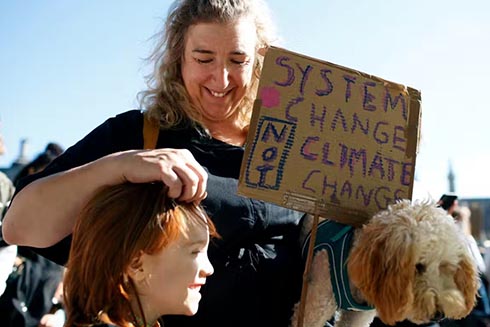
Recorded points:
(199, 98)
(136, 255)
(217, 69)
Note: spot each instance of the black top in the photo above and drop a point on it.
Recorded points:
(257, 264)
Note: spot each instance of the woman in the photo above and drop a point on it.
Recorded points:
(207, 67)
(160, 264)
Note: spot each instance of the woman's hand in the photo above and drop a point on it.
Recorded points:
(177, 168)
(58, 198)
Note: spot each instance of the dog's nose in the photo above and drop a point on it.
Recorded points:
(438, 316)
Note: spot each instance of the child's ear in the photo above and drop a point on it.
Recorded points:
(135, 269)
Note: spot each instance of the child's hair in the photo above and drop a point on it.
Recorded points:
(117, 224)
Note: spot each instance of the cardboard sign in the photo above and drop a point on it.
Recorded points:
(329, 140)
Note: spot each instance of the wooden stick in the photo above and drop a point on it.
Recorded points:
(306, 272)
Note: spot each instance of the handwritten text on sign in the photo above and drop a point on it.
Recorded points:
(329, 140)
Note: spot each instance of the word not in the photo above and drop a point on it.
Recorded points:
(273, 142)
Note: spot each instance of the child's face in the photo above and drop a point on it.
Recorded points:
(175, 275)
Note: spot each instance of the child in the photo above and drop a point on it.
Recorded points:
(136, 255)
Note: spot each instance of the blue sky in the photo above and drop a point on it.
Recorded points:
(66, 66)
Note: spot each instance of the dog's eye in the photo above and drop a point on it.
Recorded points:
(420, 268)
(447, 268)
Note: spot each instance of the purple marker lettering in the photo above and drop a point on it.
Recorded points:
(307, 179)
(365, 197)
(357, 122)
(325, 152)
(305, 148)
(349, 80)
(393, 103)
(381, 137)
(329, 86)
(405, 177)
(399, 141)
(381, 192)
(282, 61)
(320, 118)
(346, 188)
(368, 97)
(304, 77)
(292, 103)
(339, 115)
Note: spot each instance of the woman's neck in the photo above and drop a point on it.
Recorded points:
(228, 133)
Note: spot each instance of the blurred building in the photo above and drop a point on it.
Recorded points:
(450, 179)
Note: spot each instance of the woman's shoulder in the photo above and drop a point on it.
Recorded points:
(120, 132)
(130, 115)
(117, 133)
(118, 125)
(132, 119)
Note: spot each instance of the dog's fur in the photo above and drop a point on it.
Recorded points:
(409, 261)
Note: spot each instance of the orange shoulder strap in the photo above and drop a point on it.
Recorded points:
(150, 133)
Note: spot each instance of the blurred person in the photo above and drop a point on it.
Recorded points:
(56, 319)
(480, 315)
(42, 160)
(7, 252)
(199, 101)
(56, 316)
(32, 279)
(153, 260)
(448, 202)
(30, 289)
(54, 149)
(461, 215)
(6, 186)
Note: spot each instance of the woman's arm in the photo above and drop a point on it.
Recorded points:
(45, 211)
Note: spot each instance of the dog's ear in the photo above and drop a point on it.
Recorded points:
(466, 281)
(382, 266)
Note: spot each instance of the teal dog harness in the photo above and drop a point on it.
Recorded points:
(336, 238)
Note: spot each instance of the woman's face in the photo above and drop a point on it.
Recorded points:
(217, 66)
(172, 278)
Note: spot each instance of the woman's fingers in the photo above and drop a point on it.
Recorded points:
(177, 168)
(197, 177)
(193, 183)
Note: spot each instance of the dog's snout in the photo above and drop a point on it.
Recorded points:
(438, 316)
